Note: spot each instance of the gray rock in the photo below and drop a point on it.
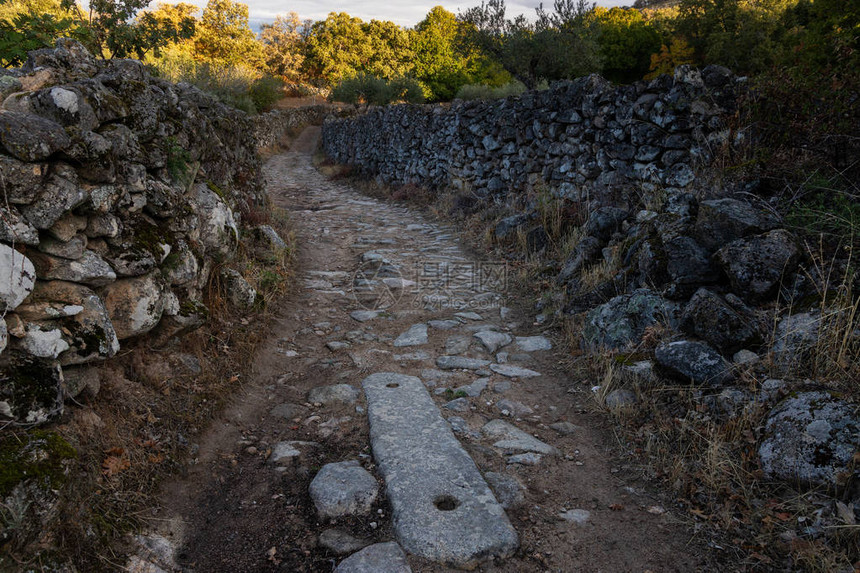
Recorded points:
(474, 389)
(468, 315)
(378, 558)
(335, 345)
(364, 315)
(586, 251)
(501, 386)
(134, 305)
(338, 393)
(512, 371)
(17, 278)
(443, 509)
(269, 238)
(533, 343)
(30, 137)
(721, 221)
(711, 318)
(565, 428)
(509, 491)
(72, 249)
(458, 405)
(444, 324)
(342, 489)
(239, 292)
(457, 345)
(67, 227)
(21, 181)
(60, 194)
(340, 542)
(90, 269)
(620, 398)
(287, 411)
(511, 439)
(283, 453)
(460, 363)
(510, 225)
(219, 232)
(15, 229)
(30, 389)
(492, 340)
(512, 408)
(745, 357)
(622, 321)
(43, 343)
(577, 516)
(793, 338)
(527, 459)
(811, 438)
(695, 362)
(415, 336)
(458, 425)
(90, 332)
(756, 265)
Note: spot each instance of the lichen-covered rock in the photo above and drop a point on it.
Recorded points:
(694, 362)
(218, 230)
(21, 181)
(604, 221)
(756, 265)
(239, 292)
(622, 321)
(134, 305)
(59, 195)
(811, 439)
(721, 221)
(794, 336)
(30, 389)
(343, 489)
(73, 249)
(90, 269)
(728, 328)
(17, 278)
(30, 137)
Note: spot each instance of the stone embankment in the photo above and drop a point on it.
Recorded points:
(121, 194)
(694, 282)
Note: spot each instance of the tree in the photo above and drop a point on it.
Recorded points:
(224, 36)
(283, 44)
(560, 45)
(670, 57)
(626, 43)
(116, 33)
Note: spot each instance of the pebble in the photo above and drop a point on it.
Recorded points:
(529, 459)
(337, 345)
(533, 343)
(578, 516)
(340, 542)
(325, 395)
(458, 405)
(513, 371)
(565, 428)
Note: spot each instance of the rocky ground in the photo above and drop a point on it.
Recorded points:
(383, 290)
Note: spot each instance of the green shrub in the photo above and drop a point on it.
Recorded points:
(483, 91)
(265, 92)
(367, 89)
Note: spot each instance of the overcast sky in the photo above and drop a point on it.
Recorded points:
(404, 13)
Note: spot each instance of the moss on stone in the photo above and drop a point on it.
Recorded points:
(38, 454)
(28, 382)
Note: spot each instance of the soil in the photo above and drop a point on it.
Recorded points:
(234, 511)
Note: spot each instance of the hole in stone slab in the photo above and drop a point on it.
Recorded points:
(446, 502)
(393, 385)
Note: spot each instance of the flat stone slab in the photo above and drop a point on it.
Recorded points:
(512, 371)
(343, 488)
(461, 363)
(443, 510)
(378, 558)
(286, 452)
(416, 335)
(444, 324)
(339, 393)
(513, 440)
(340, 542)
(364, 315)
(533, 343)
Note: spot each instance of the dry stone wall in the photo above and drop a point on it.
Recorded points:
(585, 138)
(121, 193)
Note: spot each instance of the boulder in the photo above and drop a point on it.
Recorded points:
(728, 328)
(14, 228)
(604, 221)
(59, 195)
(811, 439)
(586, 251)
(30, 137)
(756, 265)
(17, 278)
(510, 225)
(721, 221)
(134, 305)
(219, 232)
(793, 338)
(74, 248)
(622, 321)
(694, 362)
(343, 489)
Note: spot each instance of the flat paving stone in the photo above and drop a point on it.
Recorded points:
(415, 336)
(343, 488)
(286, 452)
(533, 343)
(511, 439)
(364, 315)
(340, 542)
(493, 340)
(444, 324)
(457, 344)
(460, 363)
(474, 389)
(443, 510)
(377, 558)
(512, 371)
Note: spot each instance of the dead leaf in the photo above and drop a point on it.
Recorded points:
(617, 507)
(115, 464)
(270, 555)
(846, 513)
(782, 516)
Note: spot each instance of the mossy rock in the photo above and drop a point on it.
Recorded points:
(30, 389)
(38, 455)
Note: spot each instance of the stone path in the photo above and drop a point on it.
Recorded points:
(387, 297)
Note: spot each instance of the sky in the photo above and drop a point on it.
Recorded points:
(406, 14)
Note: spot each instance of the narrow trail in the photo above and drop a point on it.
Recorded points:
(239, 510)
